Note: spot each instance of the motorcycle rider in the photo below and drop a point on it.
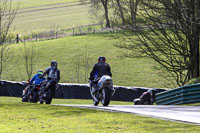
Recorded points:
(35, 80)
(53, 75)
(101, 68)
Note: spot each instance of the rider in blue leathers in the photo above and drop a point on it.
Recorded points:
(37, 78)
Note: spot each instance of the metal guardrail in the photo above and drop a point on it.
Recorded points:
(182, 95)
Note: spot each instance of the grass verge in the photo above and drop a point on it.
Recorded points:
(27, 117)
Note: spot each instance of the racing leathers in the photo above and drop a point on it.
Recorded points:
(32, 83)
(53, 75)
(99, 69)
(36, 79)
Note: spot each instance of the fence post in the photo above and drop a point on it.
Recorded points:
(73, 31)
(56, 35)
(36, 38)
(17, 38)
(94, 30)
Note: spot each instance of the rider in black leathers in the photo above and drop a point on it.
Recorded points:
(53, 74)
(101, 68)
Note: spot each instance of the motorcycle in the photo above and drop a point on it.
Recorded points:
(31, 93)
(103, 91)
(34, 95)
(144, 99)
(47, 95)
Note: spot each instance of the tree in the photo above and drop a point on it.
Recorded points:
(169, 35)
(126, 11)
(82, 62)
(7, 15)
(97, 4)
(30, 59)
(105, 6)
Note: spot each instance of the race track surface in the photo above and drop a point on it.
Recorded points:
(187, 114)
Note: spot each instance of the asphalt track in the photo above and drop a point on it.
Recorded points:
(186, 114)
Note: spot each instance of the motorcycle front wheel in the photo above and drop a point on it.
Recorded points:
(34, 98)
(94, 97)
(49, 96)
(24, 99)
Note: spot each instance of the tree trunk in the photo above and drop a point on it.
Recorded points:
(105, 5)
(120, 11)
(132, 12)
(195, 72)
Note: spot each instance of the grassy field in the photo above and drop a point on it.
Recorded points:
(21, 4)
(38, 16)
(18, 117)
(70, 50)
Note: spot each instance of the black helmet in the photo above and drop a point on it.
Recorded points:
(54, 63)
(101, 59)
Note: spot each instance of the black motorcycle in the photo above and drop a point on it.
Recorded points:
(46, 95)
(103, 91)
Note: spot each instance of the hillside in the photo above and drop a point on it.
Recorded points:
(71, 51)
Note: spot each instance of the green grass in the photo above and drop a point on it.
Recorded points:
(20, 117)
(51, 19)
(126, 71)
(35, 3)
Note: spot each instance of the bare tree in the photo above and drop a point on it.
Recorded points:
(120, 9)
(77, 65)
(82, 64)
(169, 36)
(7, 15)
(86, 63)
(126, 10)
(30, 59)
(105, 5)
(98, 4)
(98, 16)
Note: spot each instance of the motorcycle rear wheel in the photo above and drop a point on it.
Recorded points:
(105, 96)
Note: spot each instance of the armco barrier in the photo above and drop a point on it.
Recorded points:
(75, 91)
(182, 95)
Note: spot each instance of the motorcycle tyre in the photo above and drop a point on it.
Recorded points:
(106, 100)
(95, 103)
(25, 99)
(49, 96)
(34, 98)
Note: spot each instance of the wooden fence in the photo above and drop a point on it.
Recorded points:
(54, 34)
